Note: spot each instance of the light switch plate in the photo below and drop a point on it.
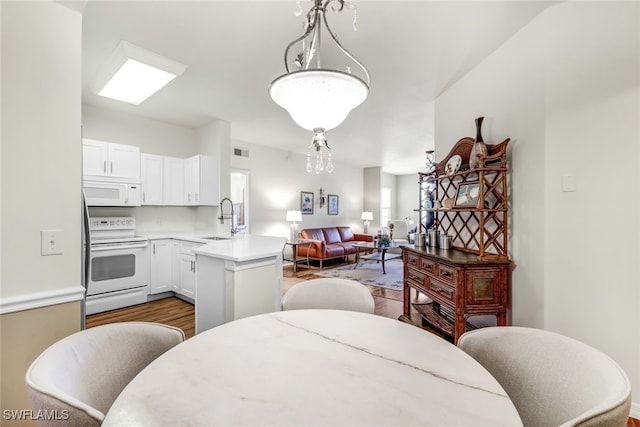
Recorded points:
(51, 242)
(568, 183)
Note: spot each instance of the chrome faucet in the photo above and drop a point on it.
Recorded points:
(234, 228)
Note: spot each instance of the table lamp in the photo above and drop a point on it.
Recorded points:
(294, 217)
(366, 217)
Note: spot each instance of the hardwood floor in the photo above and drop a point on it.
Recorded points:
(181, 314)
(169, 311)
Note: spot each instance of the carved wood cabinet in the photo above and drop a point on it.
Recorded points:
(471, 278)
(459, 284)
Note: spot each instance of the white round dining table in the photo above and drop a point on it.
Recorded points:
(314, 368)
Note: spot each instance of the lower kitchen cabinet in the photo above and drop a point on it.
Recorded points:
(188, 275)
(188, 269)
(160, 266)
(172, 267)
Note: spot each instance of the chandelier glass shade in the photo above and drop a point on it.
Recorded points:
(319, 98)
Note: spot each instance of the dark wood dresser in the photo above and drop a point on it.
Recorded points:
(459, 284)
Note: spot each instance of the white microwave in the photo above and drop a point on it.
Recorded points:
(100, 193)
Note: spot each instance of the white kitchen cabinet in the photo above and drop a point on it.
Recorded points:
(188, 275)
(175, 265)
(161, 266)
(151, 168)
(107, 159)
(201, 181)
(173, 181)
(188, 269)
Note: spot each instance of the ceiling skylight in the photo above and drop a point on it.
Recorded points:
(133, 74)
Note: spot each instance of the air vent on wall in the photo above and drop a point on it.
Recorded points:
(240, 152)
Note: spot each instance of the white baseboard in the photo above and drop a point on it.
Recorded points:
(635, 410)
(40, 299)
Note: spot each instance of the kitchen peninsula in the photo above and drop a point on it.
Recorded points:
(236, 278)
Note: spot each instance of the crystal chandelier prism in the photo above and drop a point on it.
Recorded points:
(318, 143)
(318, 98)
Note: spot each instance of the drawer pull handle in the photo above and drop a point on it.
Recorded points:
(439, 290)
(446, 273)
(412, 261)
(428, 267)
(414, 277)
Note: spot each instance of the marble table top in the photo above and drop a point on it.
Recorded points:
(314, 368)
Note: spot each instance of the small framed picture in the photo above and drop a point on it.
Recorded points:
(467, 195)
(332, 206)
(306, 202)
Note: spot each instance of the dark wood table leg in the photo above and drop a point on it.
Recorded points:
(295, 260)
(384, 251)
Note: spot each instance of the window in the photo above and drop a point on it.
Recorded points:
(240, 197)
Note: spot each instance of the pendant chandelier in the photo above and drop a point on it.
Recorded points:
(319, 99)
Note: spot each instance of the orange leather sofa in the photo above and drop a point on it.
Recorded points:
(330, 242)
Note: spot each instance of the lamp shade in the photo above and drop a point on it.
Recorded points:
(294, 216)
(318, 98)
(367, 216)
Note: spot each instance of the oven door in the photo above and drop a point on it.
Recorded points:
(118, 266)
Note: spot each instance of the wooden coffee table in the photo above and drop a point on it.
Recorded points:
(379, 254)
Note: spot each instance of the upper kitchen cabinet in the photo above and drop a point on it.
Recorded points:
(201, 181)
(109, 160)
(173, 181)
(151, 166)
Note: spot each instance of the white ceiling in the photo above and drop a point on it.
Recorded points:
(234, 49)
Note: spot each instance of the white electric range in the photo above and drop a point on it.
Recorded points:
(118, 272)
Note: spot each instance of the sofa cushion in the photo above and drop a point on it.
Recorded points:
(348, 247)
(331, 235)
(346, 234)
(333, 251)
(312, 234)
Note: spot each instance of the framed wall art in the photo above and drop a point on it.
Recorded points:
(467, 195)
(332, 206)
(306, 202)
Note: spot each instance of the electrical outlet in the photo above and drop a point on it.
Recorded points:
(51, 242)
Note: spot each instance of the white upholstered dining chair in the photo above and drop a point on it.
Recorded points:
(553, 380)
(82, 374)
(329, 293)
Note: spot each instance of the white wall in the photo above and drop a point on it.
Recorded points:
(566, 89)
(40, 176)
(372, 188)
(215, 139)
(408, 196)
(278, 177)
(40, 185)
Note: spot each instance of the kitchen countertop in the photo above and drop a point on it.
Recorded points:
(243, 247)
(192, 236)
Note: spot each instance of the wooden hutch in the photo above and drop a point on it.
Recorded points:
(471, 278)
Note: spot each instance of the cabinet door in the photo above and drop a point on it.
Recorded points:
(124, 161)
(208, 181)
(191, 172)
(152, 176)
(188, 275)
(175, 265)
(173, 181)
(161, 266)
(94, 157)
